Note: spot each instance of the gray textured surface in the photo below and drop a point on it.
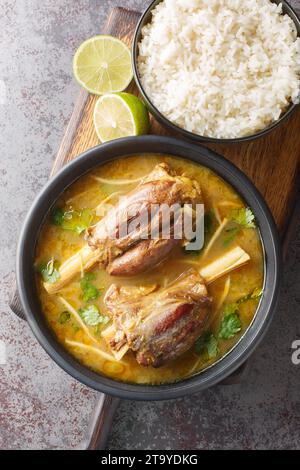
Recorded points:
(40, 406)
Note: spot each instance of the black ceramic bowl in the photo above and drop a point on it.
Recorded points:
(99, 156)
(146, 18)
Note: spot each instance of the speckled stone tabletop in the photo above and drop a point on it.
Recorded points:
(41, 407)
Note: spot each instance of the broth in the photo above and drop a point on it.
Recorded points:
(221, 200)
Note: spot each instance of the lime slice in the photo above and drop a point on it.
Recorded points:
(102, 64)
(120, 115)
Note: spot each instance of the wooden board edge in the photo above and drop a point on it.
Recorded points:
(70, 131)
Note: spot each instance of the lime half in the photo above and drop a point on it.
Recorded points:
(120, 115)
(102, 64)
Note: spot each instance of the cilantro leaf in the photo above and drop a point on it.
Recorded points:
(75, 221)
(49, 271)
(64, 317)
(208, 342)
(92, 317)
(90, 292)
(57, 216)
(244, 217)
(231, 323)
(230, 326)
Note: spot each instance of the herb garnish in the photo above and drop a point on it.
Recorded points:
(75, 327)
(231, 323)
(230, 326)
(92, 317)
(244, 217)
(208, 342)
(49, 271)
(75, 221)
(241, 218)
(64, 317)
(209, 219)
(90, 292)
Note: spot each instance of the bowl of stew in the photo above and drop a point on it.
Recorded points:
(139, 318)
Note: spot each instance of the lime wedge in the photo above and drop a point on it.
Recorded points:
(102, 64)
(120, 115)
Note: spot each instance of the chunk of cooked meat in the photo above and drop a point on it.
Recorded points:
(159, 325)
(120, 236)
(125, 255)
(149, 253)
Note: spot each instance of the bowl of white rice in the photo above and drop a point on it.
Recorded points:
(219, 70)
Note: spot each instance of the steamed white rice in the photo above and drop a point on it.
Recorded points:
(220, 68)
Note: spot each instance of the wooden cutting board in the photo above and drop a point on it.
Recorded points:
(272, 163)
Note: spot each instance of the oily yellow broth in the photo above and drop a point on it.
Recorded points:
(54, 242)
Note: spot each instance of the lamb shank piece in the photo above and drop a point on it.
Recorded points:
(159, 325)
(124, 255)
(121, 237)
